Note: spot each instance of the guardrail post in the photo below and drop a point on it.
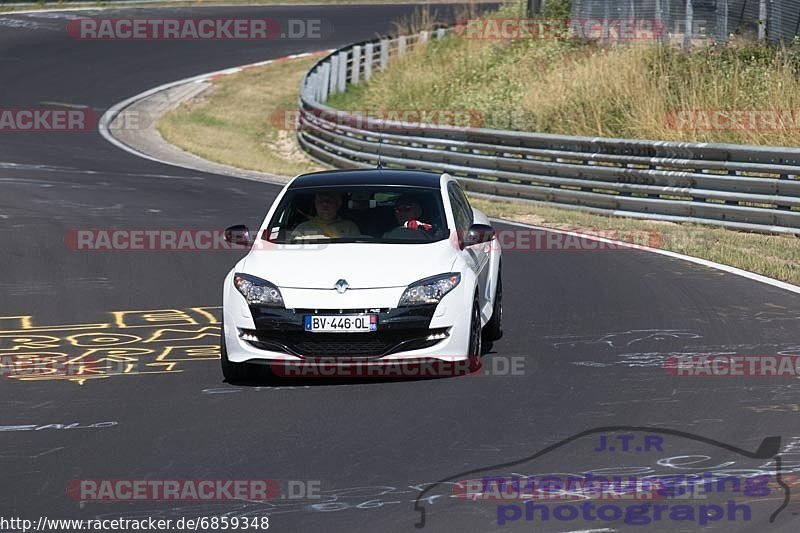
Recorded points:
(762, 20)
(341, 76)
(368, 57)
(689, 29)
(355, 73)
(401, 46)
(441, 32)
(318, 86)
(721, 35)
(333, 74)
(659, 22)
(384, 53)
(775, 23)
(310, 88)
(326, 81)
(423, 37)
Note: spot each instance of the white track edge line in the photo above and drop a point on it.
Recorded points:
(704, 262)
(112, 112)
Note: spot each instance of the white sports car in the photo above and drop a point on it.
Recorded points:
(365, 268)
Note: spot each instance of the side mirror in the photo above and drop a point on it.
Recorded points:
(476, 234)
(238, 234)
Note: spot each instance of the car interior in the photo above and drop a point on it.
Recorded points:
(372, 211)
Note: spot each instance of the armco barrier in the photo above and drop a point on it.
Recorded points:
(752, 188)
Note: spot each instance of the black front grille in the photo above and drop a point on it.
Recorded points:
(344, 345)
(399, 329)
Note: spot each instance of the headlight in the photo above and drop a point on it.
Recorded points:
(430, 290)
(258, 291)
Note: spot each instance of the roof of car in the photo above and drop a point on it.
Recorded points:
(409, 178)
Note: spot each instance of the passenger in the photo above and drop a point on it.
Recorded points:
(326, 222)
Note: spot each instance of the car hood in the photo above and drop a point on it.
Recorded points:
(362, 265)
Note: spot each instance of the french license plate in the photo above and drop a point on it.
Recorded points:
(341, 323)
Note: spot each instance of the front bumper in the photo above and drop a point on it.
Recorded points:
(399, 330)
(259, 334)
(269, 335)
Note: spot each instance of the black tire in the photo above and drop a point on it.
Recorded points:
(233, 372)
(475, 337)
(494, 328)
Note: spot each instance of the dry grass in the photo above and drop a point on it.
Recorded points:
(232, 126)
(776, 256)
(560, 86)
(172, 3)
(239, 123)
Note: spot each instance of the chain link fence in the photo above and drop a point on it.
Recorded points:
(776, 21)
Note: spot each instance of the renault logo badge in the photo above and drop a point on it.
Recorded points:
(342, 286)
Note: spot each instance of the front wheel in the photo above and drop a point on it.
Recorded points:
(233, 372)
(494, 328)
(475, 337)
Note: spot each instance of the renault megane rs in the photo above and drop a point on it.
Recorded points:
(363, 267)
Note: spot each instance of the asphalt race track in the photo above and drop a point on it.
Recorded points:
(589, 331)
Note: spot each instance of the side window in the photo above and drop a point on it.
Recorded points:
(462, 212)
(463, 198)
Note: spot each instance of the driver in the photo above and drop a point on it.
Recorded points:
(407, 212)
(327, 222)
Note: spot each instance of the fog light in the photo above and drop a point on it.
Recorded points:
(247, 336)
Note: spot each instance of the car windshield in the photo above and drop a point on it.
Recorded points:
(375, 214)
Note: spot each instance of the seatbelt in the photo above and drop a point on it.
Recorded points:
(326, 228)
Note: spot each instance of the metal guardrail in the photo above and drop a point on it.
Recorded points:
(750, 188)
